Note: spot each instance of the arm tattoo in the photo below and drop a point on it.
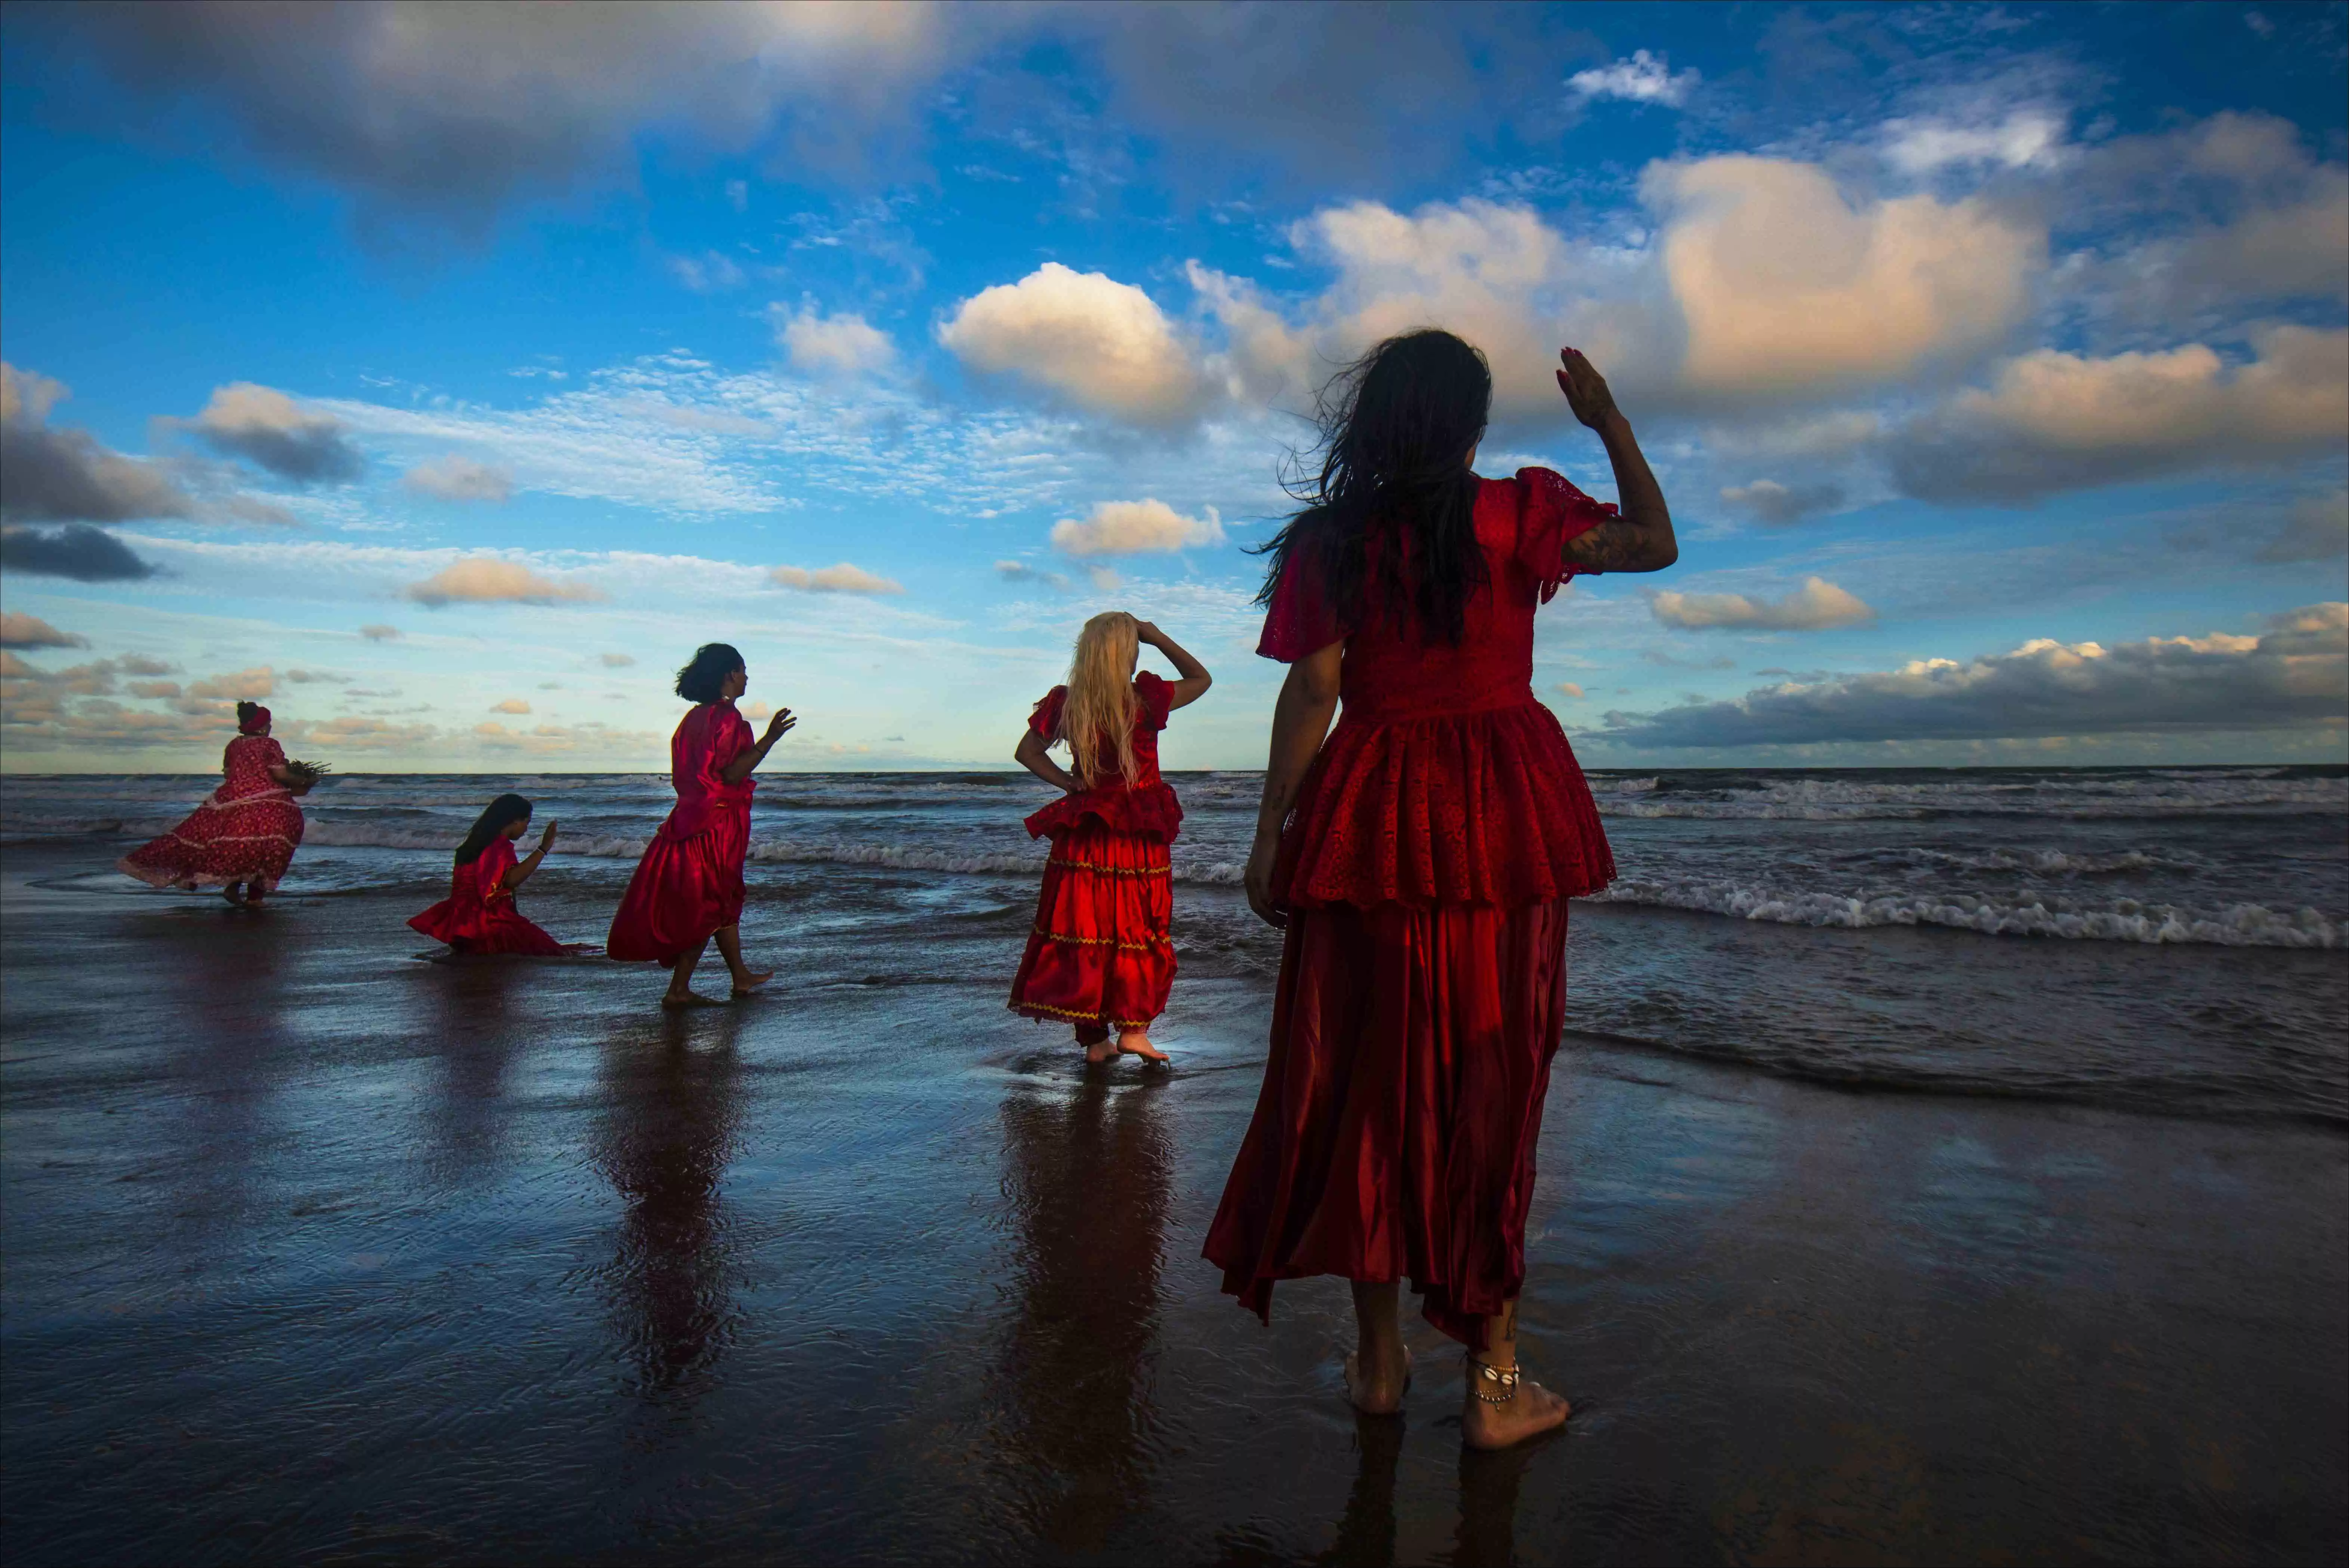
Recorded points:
(1621, 545)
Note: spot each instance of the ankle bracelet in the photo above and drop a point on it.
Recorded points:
(1504, 1378)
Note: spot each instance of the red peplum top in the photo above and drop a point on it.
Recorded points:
(1145, 805)
(1444, 781)
(709, 736)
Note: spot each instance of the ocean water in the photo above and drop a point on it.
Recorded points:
(2163, 939)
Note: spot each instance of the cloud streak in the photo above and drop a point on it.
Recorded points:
(1817, 606)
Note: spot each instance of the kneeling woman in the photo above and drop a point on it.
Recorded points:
(689, 887)
(479, 915)
(1100, 957)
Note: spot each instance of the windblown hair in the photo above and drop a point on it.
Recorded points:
(1097, 720)
(703, 679)
(500, 814)
(1389, 522)
(245, 713)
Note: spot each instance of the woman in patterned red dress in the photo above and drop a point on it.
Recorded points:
(1100, 957)
(478, 916)
(244, 835)
(688, 885)
(1421, 860)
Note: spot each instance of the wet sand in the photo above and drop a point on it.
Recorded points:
(315, 1250)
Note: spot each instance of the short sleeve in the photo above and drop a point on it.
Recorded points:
(1153, 697)
(1300, 619)
(1044, 723)
(1554, 513)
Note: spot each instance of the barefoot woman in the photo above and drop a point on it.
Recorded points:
(244, 835)
(1424, 876)
(689, 887)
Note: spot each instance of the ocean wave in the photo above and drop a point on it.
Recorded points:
(2150, 795)
(2120, 921)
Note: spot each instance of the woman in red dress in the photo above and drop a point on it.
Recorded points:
(244, 835)
(688, 885)
(478, 916)
(1421, 861)
(1100, 957)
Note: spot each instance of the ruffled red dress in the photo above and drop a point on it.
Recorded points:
(1100, 955)
(1422, 987)
(246, 831)
(688, 885)
(478, 916)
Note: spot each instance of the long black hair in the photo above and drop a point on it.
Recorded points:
(500, 814)
(1390, 519)
(703, 679)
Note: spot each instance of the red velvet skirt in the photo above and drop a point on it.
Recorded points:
(1394, 1136)
(685, 891)
(1098, 956)
(498, 929)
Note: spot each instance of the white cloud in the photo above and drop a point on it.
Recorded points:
(1022, 572)
(459, 478)
(615, 660)
(484, 580)
(709, 273)
(2026, 139)
(511, 705)
(1777, 504)
(1816, 606)
(2051, 420)
(842, 579)
(1103, 345)
(241, 685)
(268, 428)
(1133, 527)
(844, 345)
(31, 631)
(1569, 690)
(2294, 675)
(1642, 78)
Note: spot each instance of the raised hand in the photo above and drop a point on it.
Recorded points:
(546, 839)
(1147, 631)
(1586, 389)
(780, 725)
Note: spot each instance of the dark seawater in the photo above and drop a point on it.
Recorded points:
(2166, 939)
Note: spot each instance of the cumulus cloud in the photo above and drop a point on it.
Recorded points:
(1103, 345)
(1134, 527)
(2294, 675)
(845, 345)
(841, 579)
(52, 475)
(2024, 138)
(1642, 78)
(1569, 690)
(375, 631)
(1769, 501)
(237, 686)
(265, 426)
(615, 660)
(78, 551)
(485, 579)
(31, 631)
(2051, 420)
(459, 478)
(1784, 286)
(1817, 606)
(511, 705)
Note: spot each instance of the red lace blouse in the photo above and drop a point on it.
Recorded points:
(1147, 806)
(1444, 781)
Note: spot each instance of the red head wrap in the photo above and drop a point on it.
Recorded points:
(255, 725)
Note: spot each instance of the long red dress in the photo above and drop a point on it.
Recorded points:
(1100, 955)
(1422, 987)
(478, 916)
(246, 831)
(688, 885)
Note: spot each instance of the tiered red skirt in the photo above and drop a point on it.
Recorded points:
(1394, 1135)
(684, 892)
(251, 841)
(1100, 955)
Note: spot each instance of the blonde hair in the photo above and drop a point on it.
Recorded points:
(1100, 706)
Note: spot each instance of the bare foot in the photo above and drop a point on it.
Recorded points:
(1136, 1042)
(254, 893)
(1380, 1391)
(233, 892)
(677, 1000)
(1100, 1051)
(750, 980)
(1534, 1411)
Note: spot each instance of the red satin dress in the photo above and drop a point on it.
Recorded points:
(1422, 987)
(246, 831)
(1100, 955)
(479, 915)
(688, 885)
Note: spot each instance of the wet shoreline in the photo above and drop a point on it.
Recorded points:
(313, 1249)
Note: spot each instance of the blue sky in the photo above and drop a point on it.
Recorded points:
(441, 374)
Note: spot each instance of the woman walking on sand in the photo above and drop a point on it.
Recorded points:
(688, 885)
(1100, 957)
(244, 835)
(478, 917)
(1421, 861)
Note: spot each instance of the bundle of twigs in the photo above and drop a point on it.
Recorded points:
(305, 774)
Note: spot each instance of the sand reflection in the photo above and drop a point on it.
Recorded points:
(1087, 1175)
(673, 1105)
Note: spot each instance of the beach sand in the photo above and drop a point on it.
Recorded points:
(315, 1250)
